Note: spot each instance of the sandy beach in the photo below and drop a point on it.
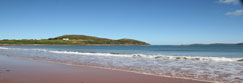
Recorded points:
(16, 70)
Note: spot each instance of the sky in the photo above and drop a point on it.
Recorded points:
(158, 22)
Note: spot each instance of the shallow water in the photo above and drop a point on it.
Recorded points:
(144, 59)
(208, 50)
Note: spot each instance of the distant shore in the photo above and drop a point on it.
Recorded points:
(73, 40)
(211, 44)
(71, 45)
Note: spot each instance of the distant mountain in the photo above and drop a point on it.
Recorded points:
(240, 44)
(76, 40)
(78, 37)
(96, 40)
(213, 44)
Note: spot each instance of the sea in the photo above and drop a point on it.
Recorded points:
(211, 63)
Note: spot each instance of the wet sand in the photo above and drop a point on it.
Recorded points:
(16, 70)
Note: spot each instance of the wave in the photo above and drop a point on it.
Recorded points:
(3, 48)
(183, 50)
(198, 58)
(215, 69)
(159, 57)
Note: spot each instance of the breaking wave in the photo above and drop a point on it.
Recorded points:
(212, 69)
(162, 57)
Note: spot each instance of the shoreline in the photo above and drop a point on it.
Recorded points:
(118, 76)
(71, 45)
(191, 68)
(120, 70)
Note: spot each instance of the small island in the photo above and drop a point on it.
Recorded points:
(73, 40)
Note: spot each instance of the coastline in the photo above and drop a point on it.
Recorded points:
(15, 70)
(196, 68)
(71, 45)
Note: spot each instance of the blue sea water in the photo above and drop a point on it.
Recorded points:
(214, 63)
(234, 51)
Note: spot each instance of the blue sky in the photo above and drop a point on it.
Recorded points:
(157, 22)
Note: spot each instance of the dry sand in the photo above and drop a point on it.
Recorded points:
(16, 70)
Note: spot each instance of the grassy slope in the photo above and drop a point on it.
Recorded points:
(77, 40)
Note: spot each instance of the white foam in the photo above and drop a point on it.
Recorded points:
(198, 58)
(216, 69)
(163, 57)
(89, 53)
(3, 48)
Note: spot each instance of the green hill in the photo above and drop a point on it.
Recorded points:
(76, 40)
(78, 37)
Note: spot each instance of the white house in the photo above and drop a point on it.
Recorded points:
(65, 39)
(37, 39)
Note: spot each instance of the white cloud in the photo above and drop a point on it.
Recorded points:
(234, 2)
(235, 13)
(230, 1)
